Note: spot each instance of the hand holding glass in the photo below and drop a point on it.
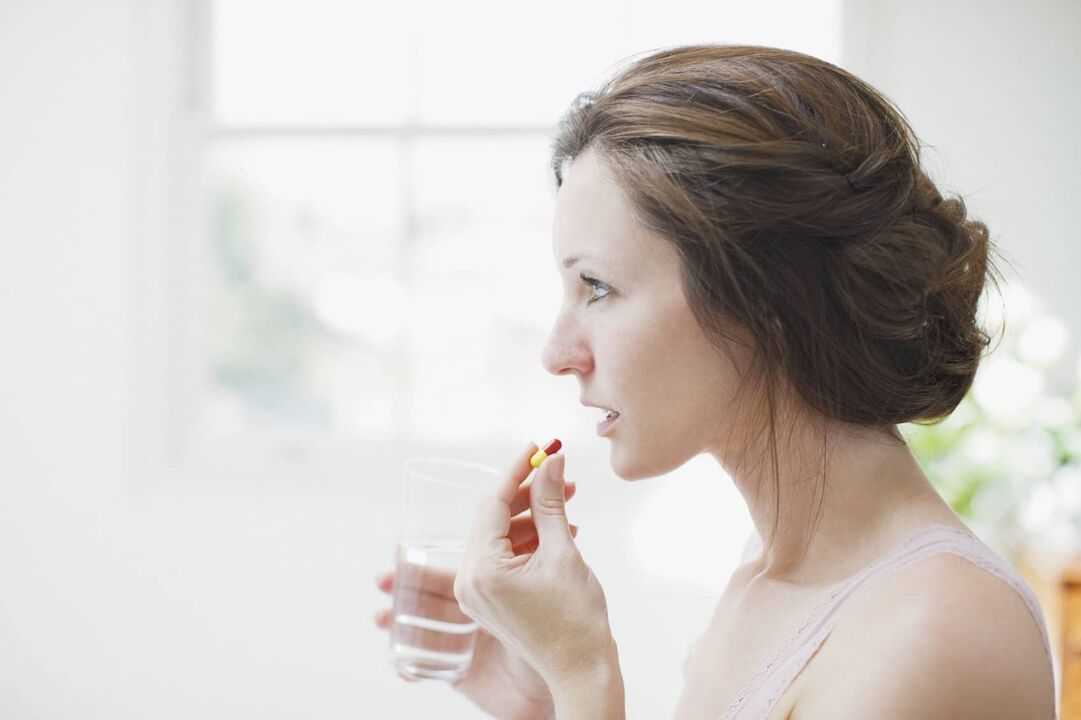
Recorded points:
(430, 637)
(494, 678)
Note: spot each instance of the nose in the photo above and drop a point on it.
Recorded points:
(566, 349)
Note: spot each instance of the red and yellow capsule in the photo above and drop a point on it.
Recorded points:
(550, 449)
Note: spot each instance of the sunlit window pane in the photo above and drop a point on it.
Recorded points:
(483, 284)
(314, 62)
(526, 74)
(543, 54)
(403, 286)
(306, 309)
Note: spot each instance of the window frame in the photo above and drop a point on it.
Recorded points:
(172, 90)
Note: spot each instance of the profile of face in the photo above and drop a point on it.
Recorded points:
(628, 334)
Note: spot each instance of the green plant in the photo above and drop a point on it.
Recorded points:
(1008, 459)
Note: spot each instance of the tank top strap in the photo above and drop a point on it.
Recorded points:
(756, 699)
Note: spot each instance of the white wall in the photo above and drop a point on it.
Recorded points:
(122, 600)
(127, 596)
(992, 87)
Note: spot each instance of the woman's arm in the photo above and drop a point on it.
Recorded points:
(592, 693)
(958, 644)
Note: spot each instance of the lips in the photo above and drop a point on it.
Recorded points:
(609, 413)
(604, 425)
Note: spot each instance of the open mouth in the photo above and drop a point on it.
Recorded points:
(610, 417)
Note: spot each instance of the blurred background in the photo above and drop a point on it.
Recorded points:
(253, 255)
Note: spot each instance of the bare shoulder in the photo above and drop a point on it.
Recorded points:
(942, 638)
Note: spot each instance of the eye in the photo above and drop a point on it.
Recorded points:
(596, 285)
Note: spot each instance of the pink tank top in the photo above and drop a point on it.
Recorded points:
(757, 698)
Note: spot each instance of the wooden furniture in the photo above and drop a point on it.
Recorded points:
(1057, 584)
(1070, 662)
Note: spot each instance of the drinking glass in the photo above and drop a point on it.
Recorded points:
(430, 636)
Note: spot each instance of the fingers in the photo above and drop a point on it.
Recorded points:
(515, 475)
(528, 538)
(488, 533)
(522, 530)
(532, 545)
(522, 536)
(549, 506)
(521, 501)
(383, 619)
(432, 581)
(491, 521)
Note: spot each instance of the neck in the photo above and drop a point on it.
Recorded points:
(865, 484)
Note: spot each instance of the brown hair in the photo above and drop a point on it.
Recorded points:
(794, 194)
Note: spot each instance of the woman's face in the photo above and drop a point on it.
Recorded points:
(636, 348)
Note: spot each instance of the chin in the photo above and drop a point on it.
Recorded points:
(632, 466)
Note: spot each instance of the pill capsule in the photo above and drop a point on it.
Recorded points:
(550, 449)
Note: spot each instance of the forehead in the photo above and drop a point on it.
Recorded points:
(593, 220)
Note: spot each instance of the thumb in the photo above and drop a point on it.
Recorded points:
(547, 504)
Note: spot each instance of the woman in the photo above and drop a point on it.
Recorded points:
(756, 267)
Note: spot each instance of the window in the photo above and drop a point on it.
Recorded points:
(369, 259)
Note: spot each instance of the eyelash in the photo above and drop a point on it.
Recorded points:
(596, 285)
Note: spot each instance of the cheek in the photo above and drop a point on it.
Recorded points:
(680, 388)
(694, 372)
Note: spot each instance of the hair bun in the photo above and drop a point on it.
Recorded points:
(794, 194)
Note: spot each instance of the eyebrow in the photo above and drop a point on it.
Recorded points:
(571, 260)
